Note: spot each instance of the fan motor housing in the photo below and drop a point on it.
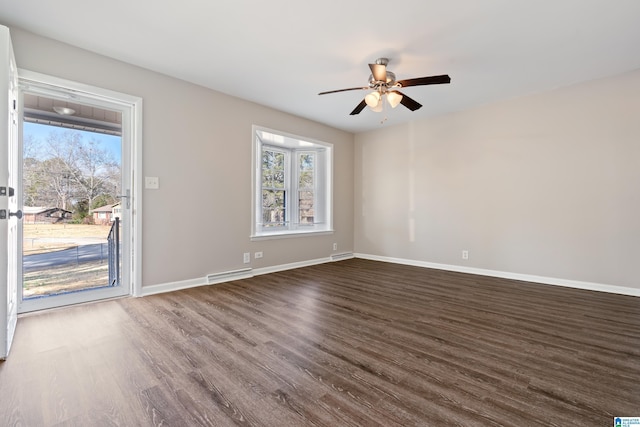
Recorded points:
(374, 84)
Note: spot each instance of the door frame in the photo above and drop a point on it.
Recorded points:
(131, 107)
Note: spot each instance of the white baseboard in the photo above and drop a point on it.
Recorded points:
(171, 286)
(205, 281)
(506, 275)
(291, 266)
(191, 283)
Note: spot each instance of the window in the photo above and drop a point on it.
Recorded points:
(291, 185)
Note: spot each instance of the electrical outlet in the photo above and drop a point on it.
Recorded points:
(247, 257)
(257, 255)
(465, 254)
(335, 246)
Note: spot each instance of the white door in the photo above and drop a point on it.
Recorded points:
(10, 274)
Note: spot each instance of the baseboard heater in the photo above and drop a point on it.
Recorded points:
(228, 276)
(340, 257)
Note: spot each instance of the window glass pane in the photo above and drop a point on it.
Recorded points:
(305, 207)
(306, 161)
(273, 208)
(272, 169)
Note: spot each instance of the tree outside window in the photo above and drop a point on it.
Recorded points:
(273, 188)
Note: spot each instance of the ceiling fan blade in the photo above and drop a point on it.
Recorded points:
(359, 108)
(421, 81)
(344, 90)
(379, 72)
(410, 103)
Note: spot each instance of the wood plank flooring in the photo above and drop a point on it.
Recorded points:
(350, 343)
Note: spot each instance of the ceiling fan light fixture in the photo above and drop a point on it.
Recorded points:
(372, 99)
(377, 108)
(394, 99)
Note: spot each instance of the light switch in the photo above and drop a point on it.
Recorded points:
(151, 182)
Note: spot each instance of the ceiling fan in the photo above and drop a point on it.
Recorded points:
(384, 84)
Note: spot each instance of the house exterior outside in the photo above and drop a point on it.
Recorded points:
(40, 214)
(106, 214)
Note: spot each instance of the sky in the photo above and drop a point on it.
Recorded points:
(109, 142)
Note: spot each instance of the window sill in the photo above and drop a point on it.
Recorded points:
(290, 234)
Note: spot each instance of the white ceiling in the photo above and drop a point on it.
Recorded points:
(281, 53)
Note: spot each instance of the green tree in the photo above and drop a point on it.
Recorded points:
(273, 192)
(81, 211)
(103, 200)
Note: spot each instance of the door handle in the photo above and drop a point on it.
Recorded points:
(17, 214)
(127, 196)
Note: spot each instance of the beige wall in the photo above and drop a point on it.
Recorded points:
(545, 185)
(198, 142)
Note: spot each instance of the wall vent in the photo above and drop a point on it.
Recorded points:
(228, 276)
(340, 257)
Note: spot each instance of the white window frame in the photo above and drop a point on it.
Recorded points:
(293, 146)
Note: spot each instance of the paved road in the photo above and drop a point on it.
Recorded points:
(83, 253)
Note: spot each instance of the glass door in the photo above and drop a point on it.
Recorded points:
(77, 195)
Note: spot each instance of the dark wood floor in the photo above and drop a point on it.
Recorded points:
(351, 343)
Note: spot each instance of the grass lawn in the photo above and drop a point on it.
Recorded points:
(63, 278)
(32, 233)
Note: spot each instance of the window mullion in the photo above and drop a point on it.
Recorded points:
(290, 184)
